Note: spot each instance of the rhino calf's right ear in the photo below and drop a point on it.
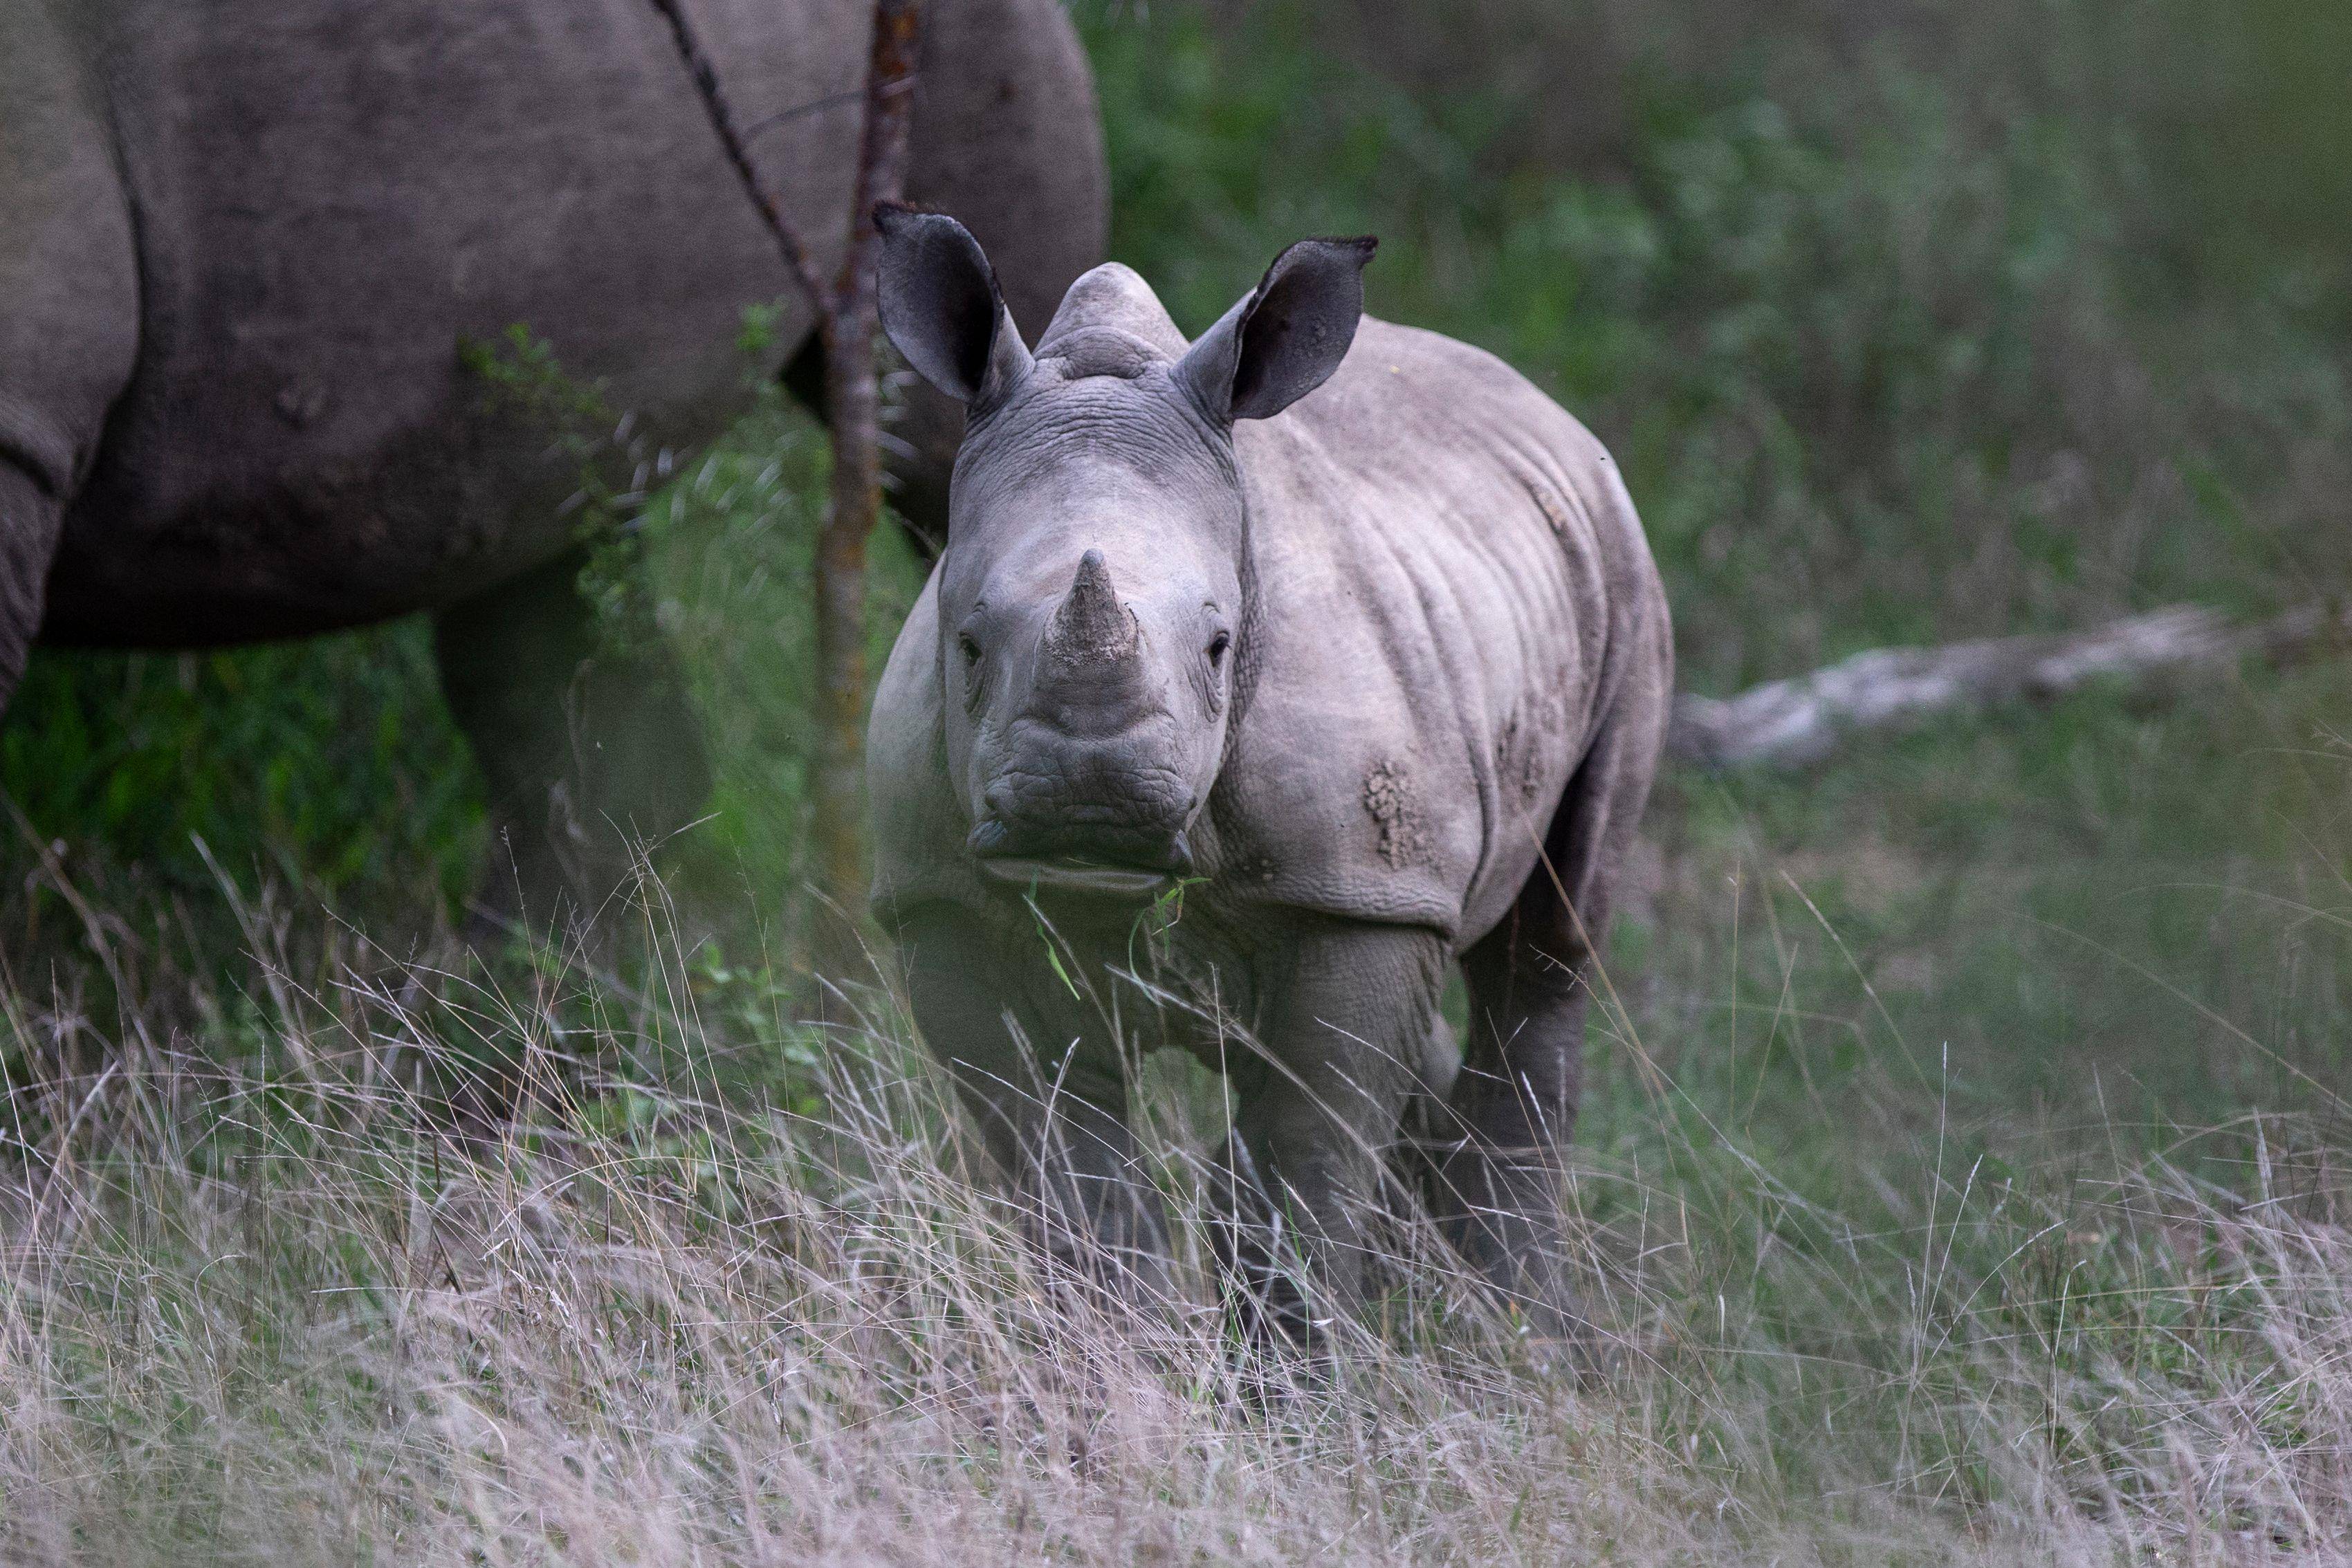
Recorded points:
(942, 309)
(1286, 336)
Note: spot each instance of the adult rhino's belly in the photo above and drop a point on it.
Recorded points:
(315, 542)
(197, 528)
(331, 200)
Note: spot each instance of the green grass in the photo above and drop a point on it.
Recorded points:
(330, 763)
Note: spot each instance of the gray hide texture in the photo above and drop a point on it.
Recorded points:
(1449, 660)
(240, 241)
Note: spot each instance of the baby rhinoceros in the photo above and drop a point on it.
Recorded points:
(1336, 636)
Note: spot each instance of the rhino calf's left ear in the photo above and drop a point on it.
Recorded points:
(1287, 337)
(941, 307)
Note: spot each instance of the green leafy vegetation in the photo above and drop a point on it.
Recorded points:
(1869, 313)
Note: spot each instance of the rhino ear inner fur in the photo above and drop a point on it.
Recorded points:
(942, 309)
(1286, 338)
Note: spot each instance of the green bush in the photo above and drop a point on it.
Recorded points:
(1873, 322)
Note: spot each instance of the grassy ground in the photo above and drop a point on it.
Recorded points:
(1962, 1161)
(1908, 1223)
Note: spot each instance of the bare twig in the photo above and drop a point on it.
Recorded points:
(768, 122)
(1804, 719)
(764, 196)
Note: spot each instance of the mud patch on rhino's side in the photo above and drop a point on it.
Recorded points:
(1389, 801)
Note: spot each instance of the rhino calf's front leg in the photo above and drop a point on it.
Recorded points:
(1340, 1040)
(1048, 1092)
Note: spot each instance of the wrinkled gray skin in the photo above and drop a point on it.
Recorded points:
(241, 242)
(1360, 659)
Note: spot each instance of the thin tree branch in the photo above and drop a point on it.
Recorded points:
(854, 408)
(767, 122)
(848, 326)
(890, 79)
(1804, 719)
(764, 196)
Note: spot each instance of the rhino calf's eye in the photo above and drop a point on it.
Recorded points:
(969, 649)
(1217, 647)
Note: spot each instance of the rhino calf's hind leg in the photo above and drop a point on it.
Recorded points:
(1498, 1191)
(589, 753)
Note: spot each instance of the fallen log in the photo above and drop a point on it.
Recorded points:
(1791, 723)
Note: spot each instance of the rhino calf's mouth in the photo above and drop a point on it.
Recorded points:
(1068, 873)
(1007, 861)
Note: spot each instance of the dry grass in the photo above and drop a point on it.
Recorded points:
(262, 1302)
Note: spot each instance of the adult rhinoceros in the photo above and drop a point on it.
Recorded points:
(1373, 677)
(241, 243)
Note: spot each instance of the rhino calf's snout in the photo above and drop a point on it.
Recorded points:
(1089, 739)
(1093, 800)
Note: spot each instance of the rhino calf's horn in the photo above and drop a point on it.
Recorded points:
(1092, 627)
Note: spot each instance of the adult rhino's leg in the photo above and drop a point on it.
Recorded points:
(591, 755)
(921, 432)
(28, 537)
(68, 307)
(1051, 1108)
(1344, 1034)
(1497, 1187)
